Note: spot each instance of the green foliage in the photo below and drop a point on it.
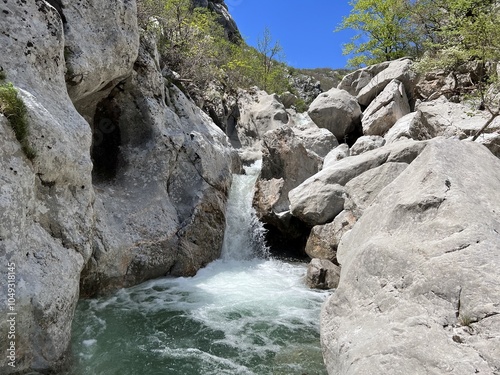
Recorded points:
(2, 75)
(14, 109)
(384, 31)
(193, 43)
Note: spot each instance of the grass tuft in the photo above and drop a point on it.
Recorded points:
(465, 320)
(14, 109)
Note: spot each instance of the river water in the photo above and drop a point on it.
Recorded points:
(243, 314)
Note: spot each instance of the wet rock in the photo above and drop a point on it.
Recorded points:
(324, 239)
(322, 274)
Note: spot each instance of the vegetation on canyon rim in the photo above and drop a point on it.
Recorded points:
(192, 42)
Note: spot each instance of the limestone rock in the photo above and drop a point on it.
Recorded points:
(366, 143)
(317, 140)
(354, 82)
(321, 197)
(285, 157)
(317, 206)
(258, 113)
(422, 260)
(386, 109)
(101, 43)
(161, 208)
(397, 69)
(291, 154)
(338, 153)
(412, 126)
(322, 274)
(335, 110)
(363, 190)
(324, 239)
(454, 119)
(46, 213)
(491, 141)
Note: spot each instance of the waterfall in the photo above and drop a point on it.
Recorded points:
(242, 314)
(244, 234)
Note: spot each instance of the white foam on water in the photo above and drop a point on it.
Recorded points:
(239, 315)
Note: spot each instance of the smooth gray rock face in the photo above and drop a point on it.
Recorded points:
(386, 109)
(324, 239)
(315, 139)
(318, 206)
(286, 157)
(491, 141)
(290, 155)
(397, 69)
(363, 190)
(366, 143)
(454, 119)
(412, 126)
(338, 153)
(322, 274)
(335, 110)
(419, 285)
(101, 43)
(59, 213)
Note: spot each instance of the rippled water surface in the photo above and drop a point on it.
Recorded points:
(240, 315)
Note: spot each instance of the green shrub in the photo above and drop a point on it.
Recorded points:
(14, 109)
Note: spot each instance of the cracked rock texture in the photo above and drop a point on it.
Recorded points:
(129, 181)
(419, 285)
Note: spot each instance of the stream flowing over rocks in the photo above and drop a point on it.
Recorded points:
(378, 182)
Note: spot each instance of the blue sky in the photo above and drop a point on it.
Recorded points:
(304, 28)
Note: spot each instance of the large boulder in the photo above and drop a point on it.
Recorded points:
(290, 155)
(419, 283)
(366, 143)
(413, 126)
(363, 190)
(354, 82)
(400, 70)
(318, 206)
(337, 111)
(340, 152)
(454, 119)
(285, 157)
(386, 109)
(321, 197)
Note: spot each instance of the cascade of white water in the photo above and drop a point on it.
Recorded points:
(241, 314)
(244, 234)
